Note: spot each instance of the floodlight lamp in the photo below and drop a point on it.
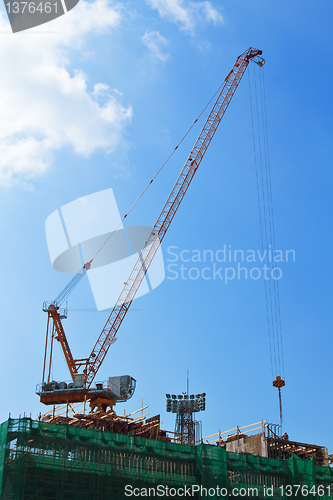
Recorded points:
(168, 396)
(198, 395)
(192, 396)
(174, 396)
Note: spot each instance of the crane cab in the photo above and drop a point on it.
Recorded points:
(122, 387)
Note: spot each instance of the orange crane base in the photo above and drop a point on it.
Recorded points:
(99, 400)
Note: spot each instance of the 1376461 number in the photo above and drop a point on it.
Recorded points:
(31, 7)
(304, 490)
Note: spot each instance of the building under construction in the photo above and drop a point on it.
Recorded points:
(81, 458)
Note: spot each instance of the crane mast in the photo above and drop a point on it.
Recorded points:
(119, 311)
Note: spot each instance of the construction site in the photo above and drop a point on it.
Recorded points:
(80, 448)
(92, 456)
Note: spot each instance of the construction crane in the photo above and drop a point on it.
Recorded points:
(83, 371)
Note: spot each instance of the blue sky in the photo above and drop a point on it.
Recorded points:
(99, 100)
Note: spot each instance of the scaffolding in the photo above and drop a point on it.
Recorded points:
(46, 461)
(268, 443)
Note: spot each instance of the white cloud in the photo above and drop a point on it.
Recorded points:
(154, 40)
(187, 13)
(100, 89)
(45, 104)
(211, 14)
(117, 91)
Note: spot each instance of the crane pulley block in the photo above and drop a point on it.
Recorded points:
(278, 382)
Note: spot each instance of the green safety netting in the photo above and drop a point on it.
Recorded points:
(59, 462)
(3, 447)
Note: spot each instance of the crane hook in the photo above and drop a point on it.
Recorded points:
(278, 382)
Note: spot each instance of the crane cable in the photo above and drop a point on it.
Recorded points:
(157, 173)
(267, 230)
(268, 165)
(81, 273)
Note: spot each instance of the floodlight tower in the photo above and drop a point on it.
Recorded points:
(187, 428)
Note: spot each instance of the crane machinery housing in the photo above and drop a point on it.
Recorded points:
(83, 371)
